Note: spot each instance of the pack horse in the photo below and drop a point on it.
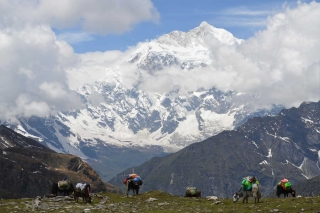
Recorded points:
(132, 182)
(255, 193)
(82, 190)
(65, 187)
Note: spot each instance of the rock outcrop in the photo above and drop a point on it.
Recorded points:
(28, 168)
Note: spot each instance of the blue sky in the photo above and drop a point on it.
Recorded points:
(240, 17)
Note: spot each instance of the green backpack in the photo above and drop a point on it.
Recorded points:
(287, 185)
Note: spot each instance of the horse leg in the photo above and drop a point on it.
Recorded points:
(244, 198)
(256, 200)
(127, 189)
(76, 197)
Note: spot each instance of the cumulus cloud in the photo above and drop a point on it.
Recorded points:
(34, 62)
(94, 66)
(33, 81)
(99, 16)
(282, 63)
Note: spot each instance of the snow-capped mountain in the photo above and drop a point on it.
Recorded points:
(143, 121)
(186, 50)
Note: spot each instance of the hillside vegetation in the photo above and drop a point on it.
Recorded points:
(159, 201)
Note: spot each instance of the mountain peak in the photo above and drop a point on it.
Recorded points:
(196, 36)
(205, 24)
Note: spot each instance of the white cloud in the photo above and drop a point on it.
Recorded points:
(281, 63)
(93, 66)
(244, 11)
(31, 57)
(26, 106)
(98, 17)
(75, 37)
(33, 62)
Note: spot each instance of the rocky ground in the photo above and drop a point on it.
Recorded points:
(157, 201)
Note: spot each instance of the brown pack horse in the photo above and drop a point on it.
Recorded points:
(192, 192)
(82, 190)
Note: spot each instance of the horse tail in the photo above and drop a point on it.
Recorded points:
(255, 189)
(71, 188)
(54, 189)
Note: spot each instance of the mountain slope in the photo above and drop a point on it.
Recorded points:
(28, 168)
(270, 148)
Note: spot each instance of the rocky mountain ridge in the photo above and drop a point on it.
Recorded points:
(270, 148)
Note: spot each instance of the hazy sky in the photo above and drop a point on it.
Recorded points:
(48, 46)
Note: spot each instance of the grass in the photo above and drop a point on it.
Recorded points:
(164, 203)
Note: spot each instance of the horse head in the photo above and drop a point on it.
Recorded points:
(236, 197)
(254, 179)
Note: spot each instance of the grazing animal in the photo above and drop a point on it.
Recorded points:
(82, 190)
(285, 192)
(192, 192)
(255, 193)
(132, 185)
(64, 187)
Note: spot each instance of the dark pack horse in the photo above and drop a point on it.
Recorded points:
(65, 188)
(285, 192)
(132, 185)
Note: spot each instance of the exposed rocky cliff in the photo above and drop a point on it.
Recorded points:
(28, 168)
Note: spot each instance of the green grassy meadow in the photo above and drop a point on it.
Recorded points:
(158, 201)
